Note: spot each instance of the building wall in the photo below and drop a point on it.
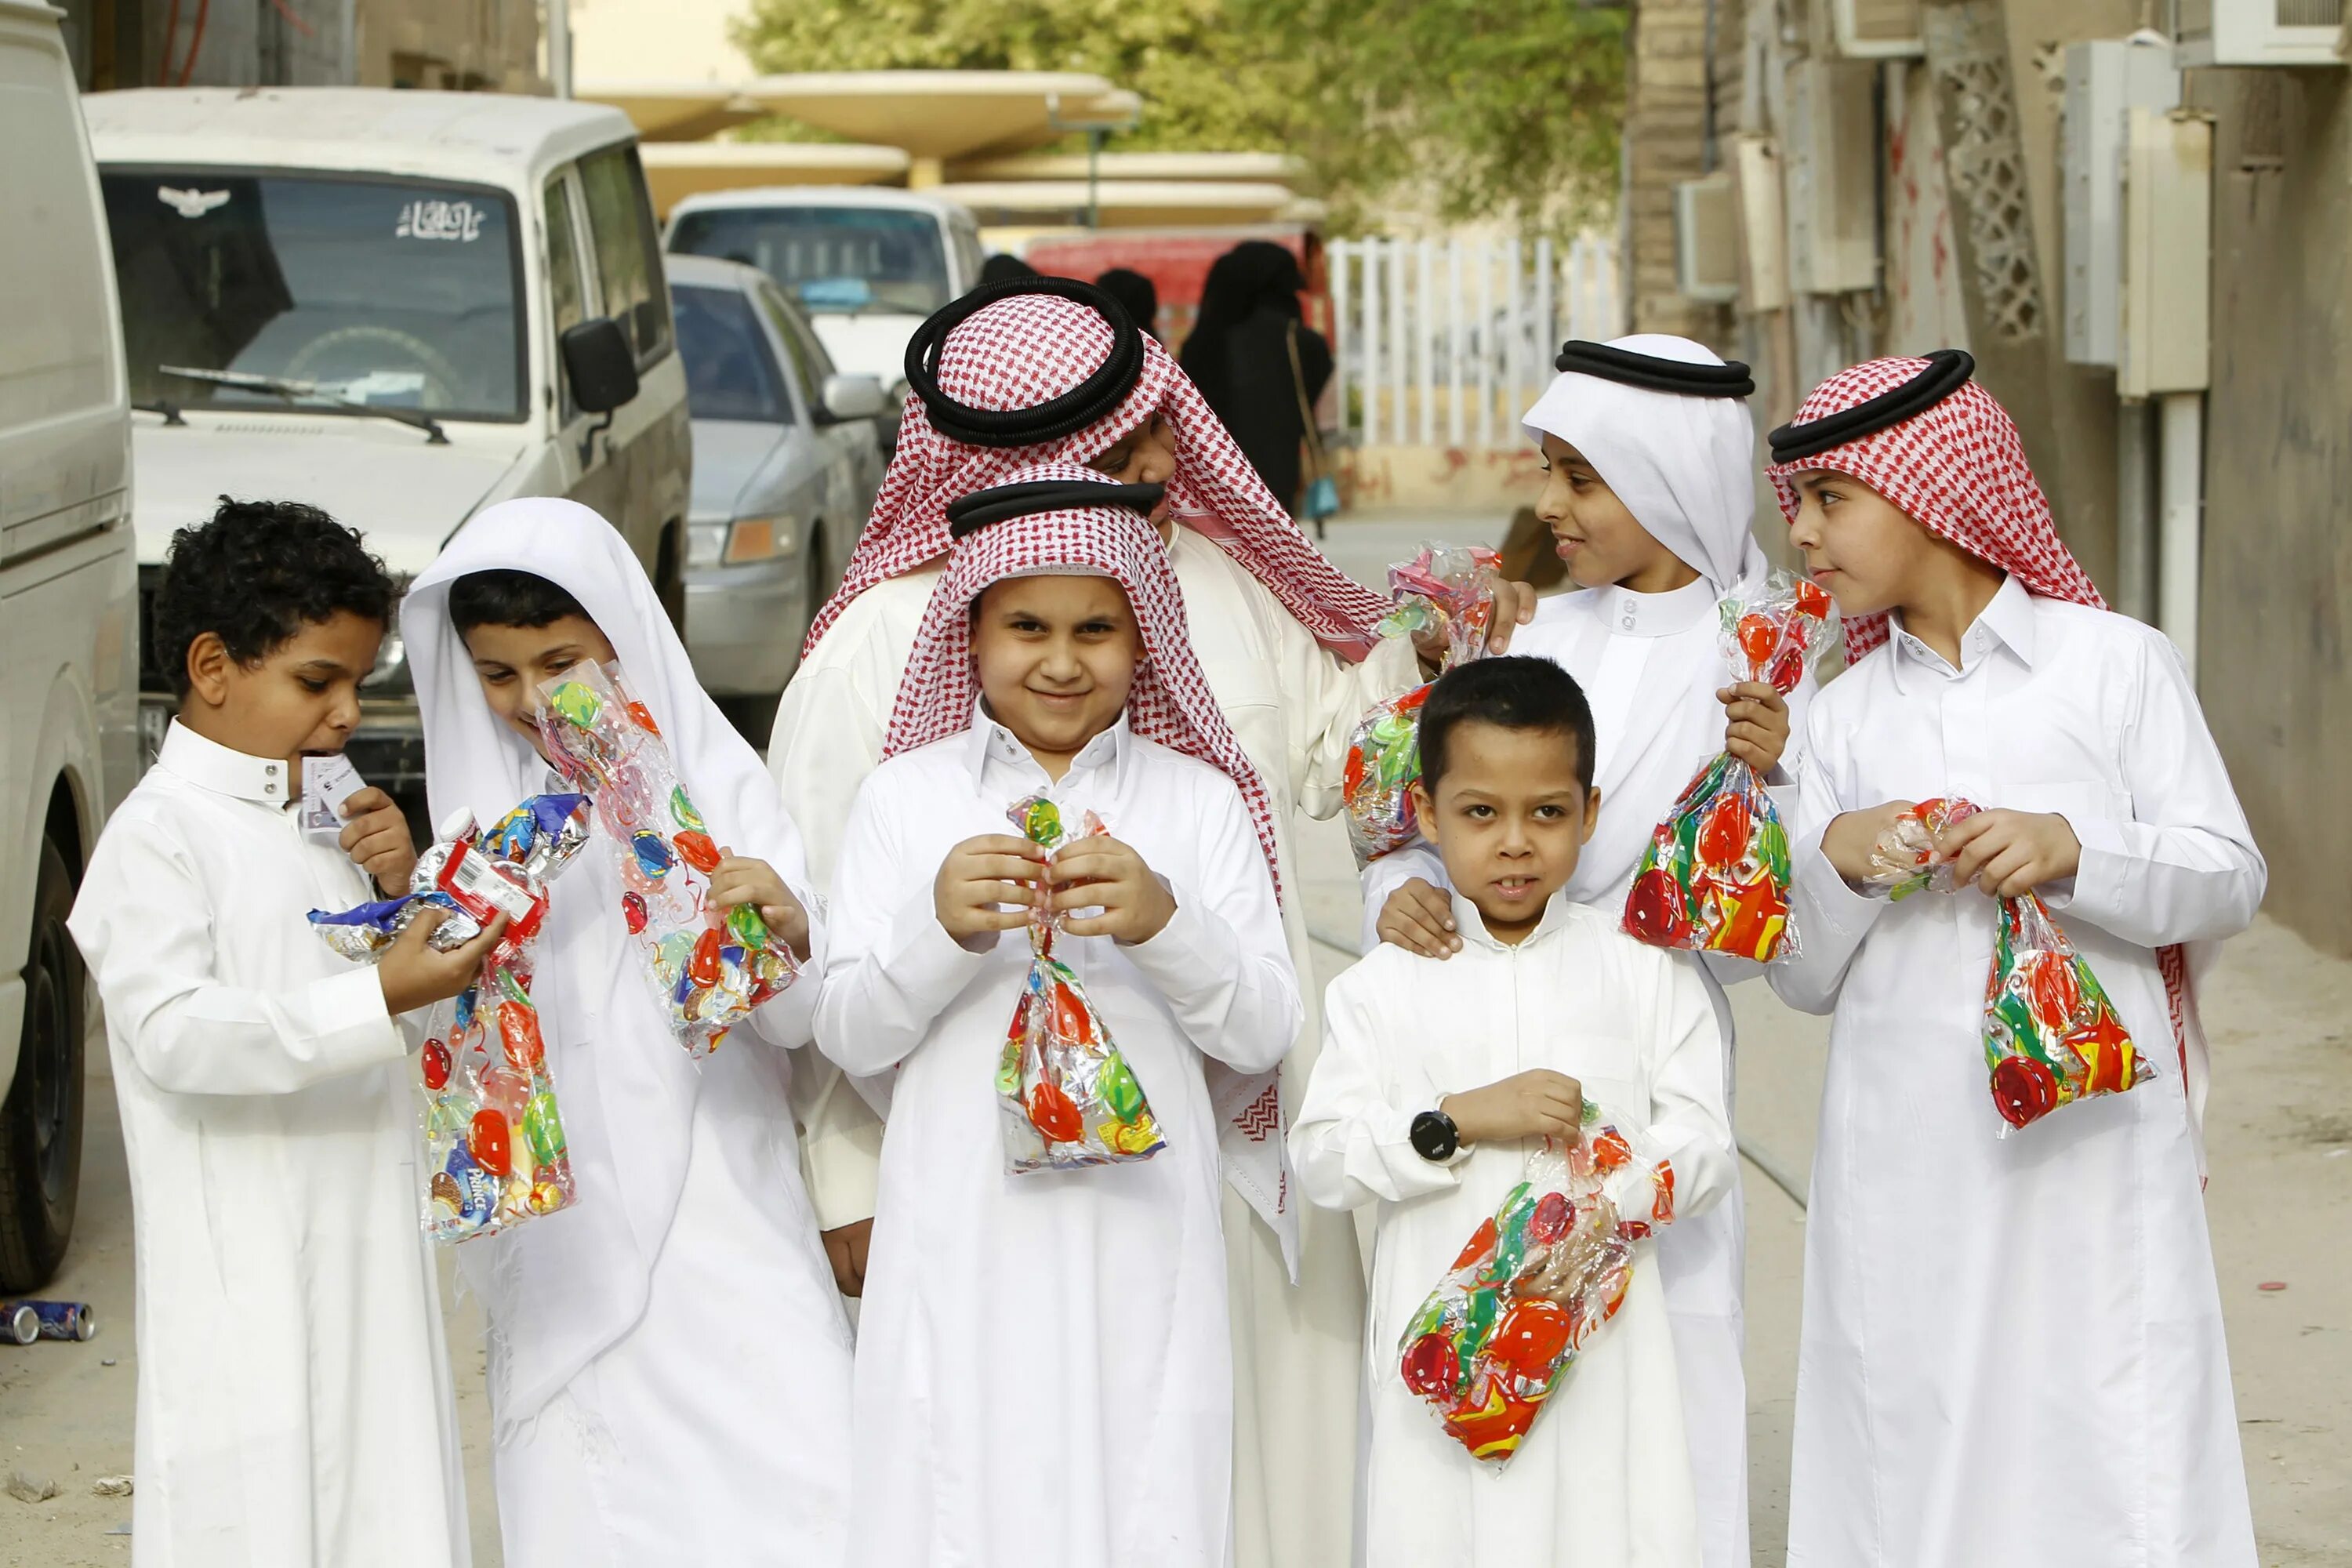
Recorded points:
(2277, 567)
(657, 40)
(457, 44)
(1666, 110)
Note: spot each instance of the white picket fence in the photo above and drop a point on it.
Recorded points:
(1444, 342)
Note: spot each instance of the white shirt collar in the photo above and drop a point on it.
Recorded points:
(988, 739)
(1473, 925)
(1628, 613)
(210, 765)
(2006, 621)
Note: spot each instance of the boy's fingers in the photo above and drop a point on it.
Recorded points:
(993, 865)
(1425, 901)
(362, 802)
(1002, 844)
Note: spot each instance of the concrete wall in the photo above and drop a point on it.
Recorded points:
(1666, 113)
(2277, 581)
(657, 40)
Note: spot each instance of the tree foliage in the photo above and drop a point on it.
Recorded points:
(1468, 108)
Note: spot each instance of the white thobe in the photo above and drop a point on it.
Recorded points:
(1603, 1479)
(1650, 665)
(294, 1402)
(1044, 1370)
(2012, 1346)
(1293, 706)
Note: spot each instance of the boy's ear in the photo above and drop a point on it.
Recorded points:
(208, 668)
(1591, 814)
(1424, 809)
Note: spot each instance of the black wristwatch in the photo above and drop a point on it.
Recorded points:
(1435, 1136)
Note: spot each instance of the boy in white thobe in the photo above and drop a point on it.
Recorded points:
(294, 1404)
(1043, 1367)
(1437, 1079)
(1651, 495)
(2013, 1347)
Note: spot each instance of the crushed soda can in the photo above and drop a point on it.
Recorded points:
(22, 1322)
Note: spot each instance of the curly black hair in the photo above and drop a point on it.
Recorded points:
(505, 597)
(256, 574)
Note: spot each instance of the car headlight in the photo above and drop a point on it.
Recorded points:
(746, 542)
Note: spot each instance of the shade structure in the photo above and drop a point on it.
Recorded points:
(674, 110)
(1126, 204)
(1188, 167)
(677, 170)
(945, 114)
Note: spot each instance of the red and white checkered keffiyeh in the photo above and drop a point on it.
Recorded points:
(1958, 469)
(1170, 702)
(1023, 350)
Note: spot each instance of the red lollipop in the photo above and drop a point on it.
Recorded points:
(489, 1143)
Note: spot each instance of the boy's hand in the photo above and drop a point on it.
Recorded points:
(1418, 918)
(845, 1249)
(1515, 606)
(1539, 1104)
(740, 879)
(981, 873)
(415, 976)
(1100, 870)
(375, 836)
(1756, 723)
(1847, 843)
(2008, 853)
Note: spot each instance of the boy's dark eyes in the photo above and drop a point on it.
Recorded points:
(311, 684)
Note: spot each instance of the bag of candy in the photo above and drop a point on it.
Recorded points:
(1447, 589)
(707, 968)
(1068, 1097)
(1715, 878)
(2051, 1036)
(1533, 1285)
(476, 1089)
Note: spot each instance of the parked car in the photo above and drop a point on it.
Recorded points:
(69, 622)
(401, 307)
(868, 264)
(787, 458)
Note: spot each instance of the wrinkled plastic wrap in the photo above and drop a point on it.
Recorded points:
(2051, 1036)
(1715, 876)
(1068, 1098)
(1533, 1285)
(1448, 589)
(494, 1146)
(707, 968)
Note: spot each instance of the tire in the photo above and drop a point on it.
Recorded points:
(40, 1120)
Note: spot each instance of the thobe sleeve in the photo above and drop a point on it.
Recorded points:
(1830, 918)
(142, 923)
(1391, 871)
(1352, 1143)
(1690, 1125)
(891, 969)
(2183, 867)
(1325, 696)
(1222, 961)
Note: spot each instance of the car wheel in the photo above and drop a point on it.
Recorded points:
(40, 1120)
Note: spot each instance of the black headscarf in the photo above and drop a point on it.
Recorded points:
(1255, 275)
(1134, 291)
(1239, 356)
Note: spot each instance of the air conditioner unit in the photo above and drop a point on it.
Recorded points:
(2257, 32)
(1707, 239)
(2105, 79)
(1830, 157)
(1878, 30)
(1763, 225)
(2164, 343)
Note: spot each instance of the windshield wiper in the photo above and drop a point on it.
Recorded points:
(310, 392)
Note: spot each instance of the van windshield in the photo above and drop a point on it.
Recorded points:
(394, 293)
(838, 261)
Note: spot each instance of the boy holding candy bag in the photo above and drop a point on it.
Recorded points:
(1044, 1370)
(1943, 1418)
(669, 1363)
(294, 1398)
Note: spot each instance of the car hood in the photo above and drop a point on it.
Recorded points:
(381, 479)
(870, 343)
(728, 455)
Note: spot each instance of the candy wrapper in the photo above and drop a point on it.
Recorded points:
(493, 1134)
(1444, 588)
(2051, 1036)
(1715, 876)
(1068, 1097)
(707, 968)
(1534, 1284)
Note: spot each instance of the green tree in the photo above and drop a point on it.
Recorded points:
(1504, 108)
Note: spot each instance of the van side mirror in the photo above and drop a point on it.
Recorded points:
(600, 364)
(853, 397)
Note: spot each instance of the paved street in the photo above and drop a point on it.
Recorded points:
(2281, 1199)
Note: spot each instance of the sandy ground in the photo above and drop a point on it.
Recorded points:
(2280, 1132)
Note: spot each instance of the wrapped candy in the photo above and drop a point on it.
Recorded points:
(1068, 1098)
(1533, 1285)
(708, 968)
(495, 1152)
(2051, 1036)
(1445, 589)
(1715, 878)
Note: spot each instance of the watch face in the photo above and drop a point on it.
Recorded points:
(1435, 1136)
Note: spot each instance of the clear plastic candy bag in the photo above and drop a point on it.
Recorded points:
(1533, 1285)
(1068, 1098)
(708, 969)
(1715, 876)
(1448, 589)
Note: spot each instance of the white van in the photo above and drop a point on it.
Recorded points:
(68, 621)
(401, 307)
(868, 264)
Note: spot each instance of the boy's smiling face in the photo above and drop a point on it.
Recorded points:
(301, 698)
(1510, 819)
(1599, 538)
(513, 662)
(1056, 657)
(1859, 545)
